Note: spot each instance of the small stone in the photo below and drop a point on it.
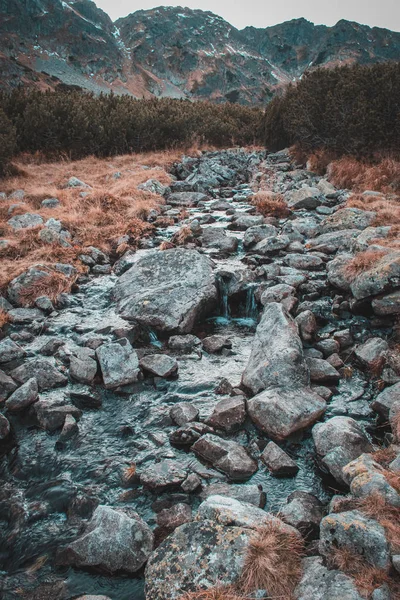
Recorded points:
(191, 483)
(183, 413)
(7, 386)
(4, 427)
(278, 462)
(321, 371)
(50, 203)
(228, 414)
(24, 396)
(184, 343)
(162, 476)
(25, 221)
(159, 365)
(307, 324)
(74, 182)
(119, 363)
(372, 352)
(173, 517)
(215, 343)
(10, 351)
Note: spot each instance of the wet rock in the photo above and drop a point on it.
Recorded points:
(386, 399)
(165, 475)
(184, 343)
(216, 343)
(84, 396)
(347, 218)
(344, 338)
(24, 396)
(7, 386)
(228, 414)
(52, 411)
(171, 518)
(25, 221)
(359, 534)
(245, 222)
(69, 430)
(307, 198)
(114, 540)
(169, 290)
(328, 347)
(307, 325)
(248, 493)
(10, 351)
(83, 368)
(271, 245)
(159, 365)
(279, 412)
(278, 462)
(276, 358)
(189, 434)
(319, 583)
(45, 304)
(321, 371)
(173, 568)
(372, 352)
(183, 413)
(277, 293)
(4, 427)
(215, 237)
(46, 374)
(226, 456)
(258, 233)
(338, 441)
(119, 363)
(304, 512)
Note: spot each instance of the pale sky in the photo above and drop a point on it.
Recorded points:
(261, 13)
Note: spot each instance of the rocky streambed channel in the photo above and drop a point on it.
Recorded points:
(232, 372)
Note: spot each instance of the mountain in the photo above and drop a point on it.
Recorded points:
(172, 51)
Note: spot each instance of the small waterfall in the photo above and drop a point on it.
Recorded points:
(154, 341)
(223, 298)
(251, 310)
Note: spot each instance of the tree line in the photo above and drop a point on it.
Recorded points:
(78, 124)
(350, 110)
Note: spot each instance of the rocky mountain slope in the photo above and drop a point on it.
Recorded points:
(172, 51)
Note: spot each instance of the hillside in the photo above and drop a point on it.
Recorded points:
(174, 52)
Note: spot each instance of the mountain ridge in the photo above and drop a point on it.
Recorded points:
(172, 51)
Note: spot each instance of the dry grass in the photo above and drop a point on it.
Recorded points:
(183, 236)
(383, 175)
(363, 261)
(388, 516)
(215, 593)
(366, 577)
(384, 456)
(387, 209)
(113, 207)
(270, 205)
(272, 562)
(166, 245)
(4, 318)
(51, 286)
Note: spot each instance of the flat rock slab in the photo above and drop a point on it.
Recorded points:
(159, 365)
(167, 290)
(165, 475)
(186, 199)
(114, 540)
(174, 567)
(44, 371)
(226, 456)
(119, 363)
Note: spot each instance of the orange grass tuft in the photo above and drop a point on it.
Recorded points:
(388, 516)
(363, 261)
(51, 286)
(4, 318)
(270, 205)
(272, 562)
(383, 175)
(214, 593)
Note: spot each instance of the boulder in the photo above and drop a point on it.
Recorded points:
(7, 386)
(347, 218)
(271, 245)
(245, 222)
(386, 399)
(25, 221)
(372, 353)
(18, 286)
(44, 371)
(228, 414)
(183, 413)
(10, 351)
(83, 368)
(226, 456)
(114, 540)
(25, 316)
(306, 197)
(307, 325)
(51, 412)
(184, 343)
(305, 262)
(119, 363)
(382, 276)
(320, 583)
(387, 305)
(186, 199)
(196, 554)
(355, 532)
(304, 512)
(338, 441)
(248, 493)
(159, 365)
(256, 234)
(216, 237)
(24, 396)
(322, 372)
(277, 293)
(368, 478)
(333, 241)
(165, 475)
(167, 291)
(216, 343)
(278, 462)
(279, 412)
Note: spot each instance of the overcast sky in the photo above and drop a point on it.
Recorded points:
(261, 13)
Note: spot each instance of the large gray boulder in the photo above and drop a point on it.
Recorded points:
(25, 221)
(198, 554)
(382, 276)
(338, 441)
(167, 290)
(43, 370)
(114, 540)
(215, 237)
(356, 532)
(347, 218)
(320, 583)
(277, 372)
(225, 455)
(186, 199)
